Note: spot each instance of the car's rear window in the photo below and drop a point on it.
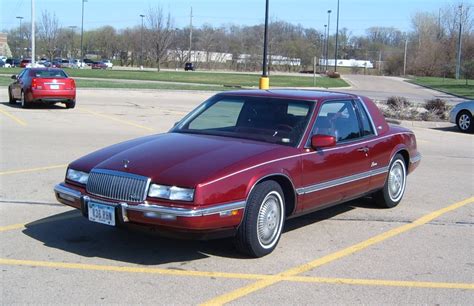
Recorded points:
(48, 74)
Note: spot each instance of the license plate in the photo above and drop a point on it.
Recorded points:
(54, 86)
(100, 213)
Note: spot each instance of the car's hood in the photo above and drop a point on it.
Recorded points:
(180, 159)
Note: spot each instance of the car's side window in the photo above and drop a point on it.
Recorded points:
(338, 119)
(367, 128)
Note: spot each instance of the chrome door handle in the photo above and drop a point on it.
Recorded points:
(364, 149)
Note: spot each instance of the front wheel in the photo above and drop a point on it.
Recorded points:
(394, 187)
(11, 100)
(263, 222)
(464, 122)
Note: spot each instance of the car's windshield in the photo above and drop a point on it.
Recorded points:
(272, 120)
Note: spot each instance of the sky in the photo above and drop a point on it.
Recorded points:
(356, 15)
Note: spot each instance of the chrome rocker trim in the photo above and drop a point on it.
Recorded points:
(153, 210)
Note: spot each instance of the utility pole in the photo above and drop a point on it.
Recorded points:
(82, 33)
(72, 40)
(141, 43)
(190, 34)
(20, 45)
(325, 55)
(33, 33)
(458, 61)
(405, 57)
(337, 34)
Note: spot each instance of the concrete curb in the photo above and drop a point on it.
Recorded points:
(420, 124)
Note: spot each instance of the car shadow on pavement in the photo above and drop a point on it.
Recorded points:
(73, 233)
(36, 106)
(452, 129)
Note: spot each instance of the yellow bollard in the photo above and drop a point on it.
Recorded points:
(264, 83)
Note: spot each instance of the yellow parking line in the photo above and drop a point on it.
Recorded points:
(243, 291)
(118, 120)
(242, 276)
(12, 227)
(14, 118)
(32, 169)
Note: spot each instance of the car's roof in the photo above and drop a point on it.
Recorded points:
(296, 94)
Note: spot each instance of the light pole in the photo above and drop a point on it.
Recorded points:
(458, 59)
(141, 42)
(337, 32)
(20, 42)
(325, 55)
(82, 33)
(264, 80)
(327, 43)
(72, 40)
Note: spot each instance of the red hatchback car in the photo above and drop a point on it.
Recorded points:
(243, 162)
(42, 85)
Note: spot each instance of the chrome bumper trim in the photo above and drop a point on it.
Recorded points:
(415, 158)
(185, 212)
(156, 209)
(60, 188)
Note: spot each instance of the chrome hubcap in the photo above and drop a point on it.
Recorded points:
(269, 219)
(464, 122)
(396, 181)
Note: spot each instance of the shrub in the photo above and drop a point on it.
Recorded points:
(333, 74)
(397, 103)
(437, 107)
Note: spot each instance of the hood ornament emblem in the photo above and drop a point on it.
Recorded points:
(125, 163)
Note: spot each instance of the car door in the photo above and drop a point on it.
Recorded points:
(340, 172)
(16, 85)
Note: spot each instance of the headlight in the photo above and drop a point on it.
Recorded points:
(171, 193)
(77, 176)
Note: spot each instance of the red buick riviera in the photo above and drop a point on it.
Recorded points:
(243, 162)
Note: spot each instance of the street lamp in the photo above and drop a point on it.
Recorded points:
(141, 38)
(20, 43)
(72, 40)
(327, 43)
(82, 32)
(458, 57)
(325, 55)
(337, 33)
(264, 80)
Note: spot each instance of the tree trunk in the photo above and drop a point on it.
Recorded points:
(158, 64)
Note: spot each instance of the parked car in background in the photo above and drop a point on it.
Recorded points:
(13, 62)
(88, 61)
(3, 64)
(188, 66)
(98, 65)
(35, 65)
(25, 62)
(42, 85)
(108, 63)
(462, 115)
(243, 162)
(77, 63)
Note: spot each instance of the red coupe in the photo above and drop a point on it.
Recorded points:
(243, 162)
(42, 85)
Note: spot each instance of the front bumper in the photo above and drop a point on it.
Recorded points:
(452, 115)
(215, 217)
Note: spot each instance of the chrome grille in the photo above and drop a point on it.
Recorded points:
(117, 185)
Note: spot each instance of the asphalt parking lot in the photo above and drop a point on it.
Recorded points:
(420, 252)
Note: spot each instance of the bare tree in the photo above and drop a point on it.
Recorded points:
(160, 34)
(49, 33)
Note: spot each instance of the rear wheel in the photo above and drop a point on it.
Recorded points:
(11, 100)
(263, 222)
(24, 103)
(464, 122)
(71, 104)
(394, 187)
